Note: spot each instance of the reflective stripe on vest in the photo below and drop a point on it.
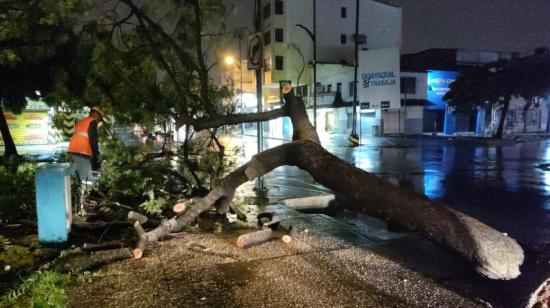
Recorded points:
(80, 142)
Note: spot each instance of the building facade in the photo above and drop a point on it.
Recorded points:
(431, 72)
(288, 53)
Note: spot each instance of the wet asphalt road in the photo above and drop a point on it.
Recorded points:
(501, 184)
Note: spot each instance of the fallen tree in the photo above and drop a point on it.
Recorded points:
(493, 253)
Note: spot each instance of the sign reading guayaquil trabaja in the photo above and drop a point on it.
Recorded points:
(379, 74)
(379, 79)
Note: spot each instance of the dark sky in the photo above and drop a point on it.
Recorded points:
(499, 25)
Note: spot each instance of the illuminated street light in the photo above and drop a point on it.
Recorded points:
(229, 60)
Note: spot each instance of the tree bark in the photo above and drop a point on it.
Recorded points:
(9, 146)
(494, 254)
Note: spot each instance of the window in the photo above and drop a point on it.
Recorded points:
(408, 85)
(351, 88)
(279, 7)
(278, 62)
(267, 38)
(343, 38)
(343, 12)
(267, 64)
(329, 88)
(279, 35)
(339, 87)
(267, 11)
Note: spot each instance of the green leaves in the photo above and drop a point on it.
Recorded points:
(41, 289)
(17, 197)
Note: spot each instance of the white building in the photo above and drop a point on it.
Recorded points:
(288, 51)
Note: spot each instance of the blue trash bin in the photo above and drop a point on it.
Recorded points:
(53, 202)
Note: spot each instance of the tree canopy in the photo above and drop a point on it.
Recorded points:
(35, 37)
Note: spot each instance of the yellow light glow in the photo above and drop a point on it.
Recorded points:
(229, 60)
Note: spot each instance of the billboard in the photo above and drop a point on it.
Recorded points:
(29, 127)
(378, 75)
(438, 85)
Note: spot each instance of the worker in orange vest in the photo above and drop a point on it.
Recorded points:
(83, 148)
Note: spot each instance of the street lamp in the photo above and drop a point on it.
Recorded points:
(353, 138)
(229, 60)
(312, 37)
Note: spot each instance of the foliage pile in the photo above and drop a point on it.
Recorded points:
(157, 180)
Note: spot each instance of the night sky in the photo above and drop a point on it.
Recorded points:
(499, 25)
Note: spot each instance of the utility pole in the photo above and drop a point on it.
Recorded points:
(241, 71)
(353, 138)
(260, 188)
(315, 64)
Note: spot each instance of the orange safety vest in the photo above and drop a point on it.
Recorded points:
(80, 142)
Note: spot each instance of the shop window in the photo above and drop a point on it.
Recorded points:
(267, 38)
(343, 39)
(343, 12)
(279, 7)
(279, 62)
(267, 11)
(279, 35)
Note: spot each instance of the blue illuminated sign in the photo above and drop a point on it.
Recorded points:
(438, 85)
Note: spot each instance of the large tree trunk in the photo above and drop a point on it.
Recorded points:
(9, 145)
(494, 254)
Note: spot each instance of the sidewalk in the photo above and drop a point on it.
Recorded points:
(328, 264)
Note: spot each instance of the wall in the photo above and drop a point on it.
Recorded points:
(421, 85)
(381, 24)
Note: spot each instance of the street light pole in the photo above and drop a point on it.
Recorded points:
(353, 138)
(315, 64)
(313, 39)
(260, 188)
(241, 70)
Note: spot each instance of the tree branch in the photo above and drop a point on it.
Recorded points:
(232, 119)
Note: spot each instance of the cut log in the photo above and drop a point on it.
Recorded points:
(254, 238)
(90, 247)
(309, 203)
(493, 253)
(83, 262)
(179, 208)
(137, 253)
(286, 238)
